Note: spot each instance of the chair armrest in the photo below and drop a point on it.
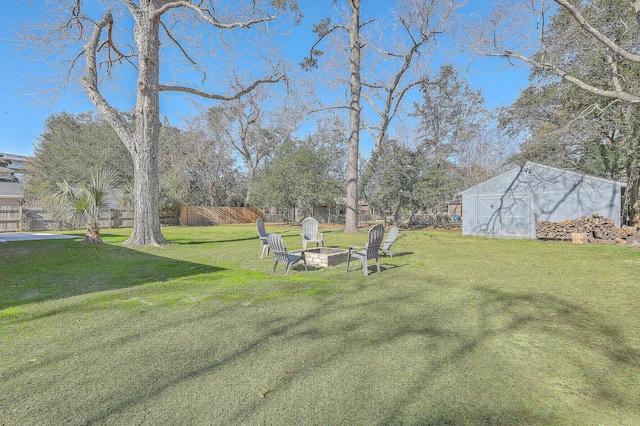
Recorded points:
(356, 247)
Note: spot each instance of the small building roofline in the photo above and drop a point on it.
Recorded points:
(524, 166)
(15, 157)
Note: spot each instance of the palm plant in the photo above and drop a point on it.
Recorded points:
(89, 202)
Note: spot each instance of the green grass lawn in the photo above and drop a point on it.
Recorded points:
(453, 331)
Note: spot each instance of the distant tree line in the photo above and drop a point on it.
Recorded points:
(234, 155)
(197, 164)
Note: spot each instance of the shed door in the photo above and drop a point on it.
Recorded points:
(504, 216)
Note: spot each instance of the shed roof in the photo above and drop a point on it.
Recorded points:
(531, 164)
(11, 190)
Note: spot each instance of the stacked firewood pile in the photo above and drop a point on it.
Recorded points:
(597, 229)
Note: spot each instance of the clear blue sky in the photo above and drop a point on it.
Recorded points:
(22, 117)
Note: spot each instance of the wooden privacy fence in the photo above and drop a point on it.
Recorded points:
(18, 219)
(38, 219)
(199, 216)
(10, 218)
(118, 219)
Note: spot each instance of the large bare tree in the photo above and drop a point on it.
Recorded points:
(104, 35)
(353, 143)
(352, 26)
(387, 58)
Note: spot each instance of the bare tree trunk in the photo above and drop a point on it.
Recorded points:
(351, 219)
(144, 146)
(146, 221)
(252, 178)
(211, 193)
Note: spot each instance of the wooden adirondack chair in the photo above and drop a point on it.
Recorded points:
(262, 233)
(376, 234)
(391, 238)
(283, 255)
(310, 233)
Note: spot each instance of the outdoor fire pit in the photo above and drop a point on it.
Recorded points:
(325, 257)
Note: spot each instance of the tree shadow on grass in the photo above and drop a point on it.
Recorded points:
(203, 238)
(401, 254)
(214, 241)
(501, 315)
(38, 271)
(379, 353)
(287, 233)
(588, 343)
(364, 328)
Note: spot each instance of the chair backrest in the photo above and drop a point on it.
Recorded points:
(260, 227)
(376, 234)
(310, 228)
(277, 247)
(391, 237)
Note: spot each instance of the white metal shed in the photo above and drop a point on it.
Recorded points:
(509, 205)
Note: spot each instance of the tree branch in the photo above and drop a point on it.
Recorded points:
(612, 94)
(207, 16)
(207, 95)
(90, 82)
(604, 40)
(310, 62)
(133, 8)
(184, 52)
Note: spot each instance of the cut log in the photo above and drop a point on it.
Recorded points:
(579, 238)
